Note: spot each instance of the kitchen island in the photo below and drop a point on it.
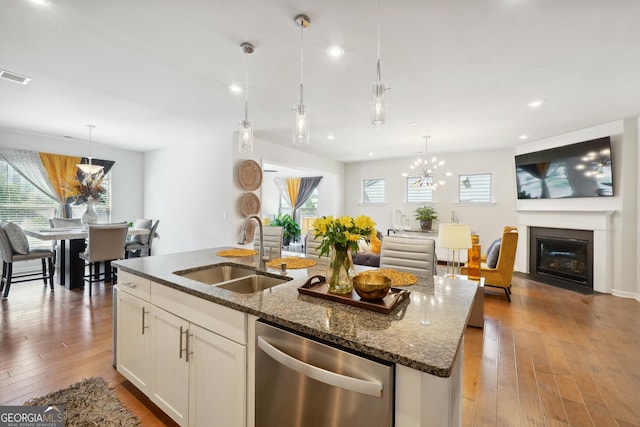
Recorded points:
(423, 336)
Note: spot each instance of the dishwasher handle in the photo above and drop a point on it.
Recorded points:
(371, 388)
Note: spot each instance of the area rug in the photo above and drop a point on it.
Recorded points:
(90, 402)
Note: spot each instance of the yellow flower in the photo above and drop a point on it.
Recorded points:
(345, 221)
(364, 221)
(342, 232)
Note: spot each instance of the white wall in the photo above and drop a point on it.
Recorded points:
(485, 219)
(126, 175)
(625, 221)
(195, 192)
(188, 188)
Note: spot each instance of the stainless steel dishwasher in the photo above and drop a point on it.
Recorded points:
(305, 383)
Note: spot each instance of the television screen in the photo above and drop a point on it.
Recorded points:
(577, 170)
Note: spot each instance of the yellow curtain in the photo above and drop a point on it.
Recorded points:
(61, 171)
(293, 187)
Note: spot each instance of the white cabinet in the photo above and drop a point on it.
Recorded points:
(133, 340)
(198, 376)
(191, 359)
(217, 390)
(169, 364)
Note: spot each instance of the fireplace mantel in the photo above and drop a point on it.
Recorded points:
(598, 221)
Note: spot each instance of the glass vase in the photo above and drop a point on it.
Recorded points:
(473, 255)
(90, 216)
(340, 271)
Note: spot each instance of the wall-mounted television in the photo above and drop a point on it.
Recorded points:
(577, 170)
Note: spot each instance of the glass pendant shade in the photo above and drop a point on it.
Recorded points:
(301, 124)
(245, 131)
(301, 127)
(245, 137)
(378, 104)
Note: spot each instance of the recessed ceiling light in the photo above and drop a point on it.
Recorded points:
(41, 2)
(335, 51)
(535, 103)
(331, 136)
(235, 88)
(370, 154)
(524, 136)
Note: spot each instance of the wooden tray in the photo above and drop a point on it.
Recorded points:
(317, 287)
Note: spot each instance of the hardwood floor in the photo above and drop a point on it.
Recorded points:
(50, 340)
(550, 358)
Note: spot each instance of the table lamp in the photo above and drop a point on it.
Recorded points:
(454, 237)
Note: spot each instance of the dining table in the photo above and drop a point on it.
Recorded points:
(71, 268)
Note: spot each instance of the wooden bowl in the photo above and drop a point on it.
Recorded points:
(371, 286)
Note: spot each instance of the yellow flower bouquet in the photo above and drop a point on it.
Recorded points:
(340, 237)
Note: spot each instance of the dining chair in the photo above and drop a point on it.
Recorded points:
(14, 247)
(272, 242)
(62, 223)
(411, 255)
(312, 244)
(141, 243)
(104, 244)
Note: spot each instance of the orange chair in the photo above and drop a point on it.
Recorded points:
(501, 275)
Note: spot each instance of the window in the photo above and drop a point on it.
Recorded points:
(24, 204)
(417, 195)
(373, 191)
(308, 209)
(474, 188)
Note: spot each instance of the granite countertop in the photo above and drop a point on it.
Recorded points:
(423, 333)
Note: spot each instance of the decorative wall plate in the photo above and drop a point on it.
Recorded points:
(250, 175)
(249, 204)
(251, 231)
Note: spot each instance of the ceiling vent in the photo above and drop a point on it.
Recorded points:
(13, 77)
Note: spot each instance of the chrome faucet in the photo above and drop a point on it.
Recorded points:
(243, 236)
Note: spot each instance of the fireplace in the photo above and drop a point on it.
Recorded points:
(562, 257)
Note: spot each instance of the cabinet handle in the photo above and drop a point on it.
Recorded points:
(188, 352)
(180, 346)
(129, 285)
(144, 312)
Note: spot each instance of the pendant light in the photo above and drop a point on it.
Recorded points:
(245, 133)
(301, 125)
(90, 168)
(427, 168)
(378, 89)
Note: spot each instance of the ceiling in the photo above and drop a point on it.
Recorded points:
(155, 73)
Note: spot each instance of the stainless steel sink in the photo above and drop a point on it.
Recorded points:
(251, 284)
(212, 275)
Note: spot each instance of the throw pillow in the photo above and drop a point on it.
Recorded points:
(142, 223)
(494, 252)
(17, 238)
(364, 247)
(375, 242)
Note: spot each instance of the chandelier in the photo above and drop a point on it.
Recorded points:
(90, 168)
(427, 168)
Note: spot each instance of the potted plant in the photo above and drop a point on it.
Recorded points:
(426, 215)
(290, 228)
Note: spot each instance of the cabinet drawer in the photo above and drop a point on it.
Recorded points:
(134, 285)
(215, 317)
